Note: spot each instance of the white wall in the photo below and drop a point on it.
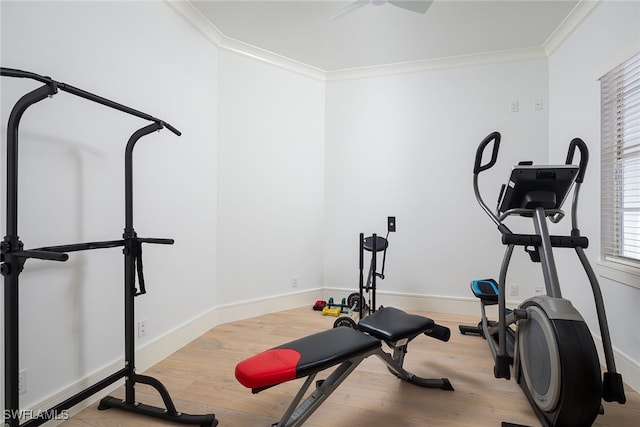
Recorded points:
(271, 171)
(404, 146)
(143, 55)
(606, 38)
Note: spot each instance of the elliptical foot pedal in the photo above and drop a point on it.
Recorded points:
(486, 290)
(473, 330)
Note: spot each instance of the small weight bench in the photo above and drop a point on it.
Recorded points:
(342, 346)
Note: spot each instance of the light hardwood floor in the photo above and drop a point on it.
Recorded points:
(200, 378)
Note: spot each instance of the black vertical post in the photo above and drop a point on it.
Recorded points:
(128, 171)
(130, 252)
(361, 284)
(374, 259)
(12, 264)
(12, 152)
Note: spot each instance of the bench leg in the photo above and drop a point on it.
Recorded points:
(296, 413)
(394, 364)
(287, 416)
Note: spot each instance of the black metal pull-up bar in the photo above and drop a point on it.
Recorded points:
(13, 257)
(11, 72)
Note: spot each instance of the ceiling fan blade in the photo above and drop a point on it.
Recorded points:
(419, 6)
(357, 4)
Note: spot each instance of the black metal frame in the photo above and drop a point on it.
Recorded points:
(13, 257)
(371, 282)
(371, 279)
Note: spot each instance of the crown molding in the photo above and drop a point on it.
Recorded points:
(576, 17)
(193, 16)
(189, 13)
(438, 64)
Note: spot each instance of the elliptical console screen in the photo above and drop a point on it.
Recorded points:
(549, 184)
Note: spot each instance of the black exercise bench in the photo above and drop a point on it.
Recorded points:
(342, 346)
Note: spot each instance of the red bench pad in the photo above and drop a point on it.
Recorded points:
(303, 357)
(269, 367)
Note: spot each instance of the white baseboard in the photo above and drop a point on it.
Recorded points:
(160, 348)
(151, 353)
(72, 390)
(421, 302)
(258, 307)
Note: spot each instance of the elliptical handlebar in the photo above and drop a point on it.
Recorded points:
(479, 167)
(584, 160)
(613, 386)
(584, 157)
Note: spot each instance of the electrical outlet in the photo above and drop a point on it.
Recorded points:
(22, 381)
(514, 290)
(142, 328)
(514, 106)
(294, 282)
(537, 290)
(537, 105)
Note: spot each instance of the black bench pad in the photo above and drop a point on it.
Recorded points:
(391, 324)
(303, 357)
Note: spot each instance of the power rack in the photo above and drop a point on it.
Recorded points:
(13, 257)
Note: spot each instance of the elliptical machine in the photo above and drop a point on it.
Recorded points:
(551, 348)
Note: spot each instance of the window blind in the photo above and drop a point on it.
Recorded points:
(620, 163)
